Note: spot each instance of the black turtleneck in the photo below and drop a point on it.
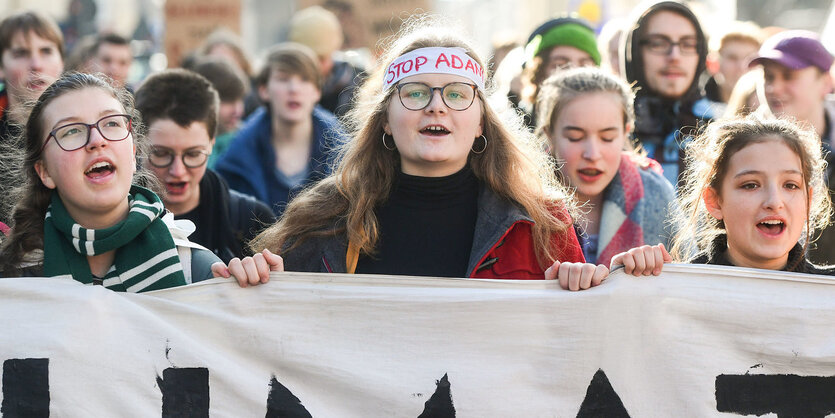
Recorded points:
(426, 227)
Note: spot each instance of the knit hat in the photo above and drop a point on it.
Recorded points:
(795, 49)
(568, 31)
(316, 28)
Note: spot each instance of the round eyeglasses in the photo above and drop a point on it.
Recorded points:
(456, 96)
(163, 157)
(73, 136)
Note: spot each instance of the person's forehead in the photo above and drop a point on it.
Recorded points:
(565, 51)
(30, 39)
(112, 48)
(771, 66)
(670, 24)
(738, 44)
(435, 79)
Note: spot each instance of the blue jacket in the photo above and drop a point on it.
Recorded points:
(249, 162)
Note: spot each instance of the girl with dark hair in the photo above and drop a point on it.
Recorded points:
(754, 197)
(81, 212)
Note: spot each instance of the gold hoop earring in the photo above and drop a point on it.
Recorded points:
(391, 148)
(482, 148)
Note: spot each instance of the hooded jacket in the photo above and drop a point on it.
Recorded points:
(502, 245)
(663, 125)
(248, 165)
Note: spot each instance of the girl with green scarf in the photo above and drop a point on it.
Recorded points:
(82, 213)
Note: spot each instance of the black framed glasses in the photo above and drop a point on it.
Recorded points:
(662, 45)
(161, 157)
(456, 96)
(73, 136)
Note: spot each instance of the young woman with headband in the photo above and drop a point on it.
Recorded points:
(433, 183)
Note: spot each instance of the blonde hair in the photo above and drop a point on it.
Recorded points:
(708, 157)
(560, 89)
(512, 165)
(751, 83)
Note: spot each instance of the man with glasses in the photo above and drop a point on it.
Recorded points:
(180, 109)
(664, 56)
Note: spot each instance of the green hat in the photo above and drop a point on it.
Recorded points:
(566, 31)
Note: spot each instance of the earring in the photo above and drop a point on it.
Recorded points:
(482, 148)
(390, 148)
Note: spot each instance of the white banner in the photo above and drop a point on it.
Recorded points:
(697, 341)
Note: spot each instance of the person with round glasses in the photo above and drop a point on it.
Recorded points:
(86, 210)
(433, 181)
(180, 109)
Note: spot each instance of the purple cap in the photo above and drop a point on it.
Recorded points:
(795, 49)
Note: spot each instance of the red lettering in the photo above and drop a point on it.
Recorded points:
(443, 58)
(399, 67)
(418, 63)
(410, 65)
(470, 66)
(456, 62)
(391, 75)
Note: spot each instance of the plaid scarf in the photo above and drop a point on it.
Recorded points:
(146, 257)
(631, 215)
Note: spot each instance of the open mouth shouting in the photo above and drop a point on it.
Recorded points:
(771, 227)
(435, 130)
(99, 170)
(176, 187)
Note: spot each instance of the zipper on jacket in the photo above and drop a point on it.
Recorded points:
(327, 266)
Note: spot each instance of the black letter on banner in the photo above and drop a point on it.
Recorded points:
(25, 387)
(439, 404)
(786, 395)
(601, 399)
(283, 404)
(185, 392)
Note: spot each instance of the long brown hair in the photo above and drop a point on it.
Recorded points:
(708, 157)
(513, 165)
(32, 196)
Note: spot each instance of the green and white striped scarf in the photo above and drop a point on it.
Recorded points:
(146, 257)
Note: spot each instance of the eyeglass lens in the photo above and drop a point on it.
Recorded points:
(416, 96)
(163, 157)
(76, 135)
(663, 45)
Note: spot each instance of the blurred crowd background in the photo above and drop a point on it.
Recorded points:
(163, 32)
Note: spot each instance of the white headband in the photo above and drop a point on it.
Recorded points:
(434, 61)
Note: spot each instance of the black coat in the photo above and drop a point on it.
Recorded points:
(226, 220)
(798, 263)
